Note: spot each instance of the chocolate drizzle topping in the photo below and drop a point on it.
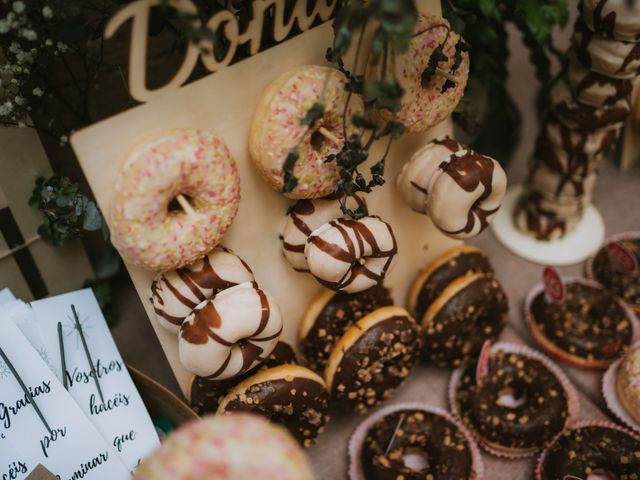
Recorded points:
(362, 234)
(625, 285)
(469, 171)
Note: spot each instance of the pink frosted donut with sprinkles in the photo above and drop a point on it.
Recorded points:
(174, 199)
(276, 129)
(429, 97)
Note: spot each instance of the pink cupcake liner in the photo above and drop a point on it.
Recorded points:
(588, 266)
(564, 357)
(580, 424)
(573, 401)
(610, 394)
(359, 434)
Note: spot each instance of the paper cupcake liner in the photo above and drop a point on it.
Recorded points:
(359, 434)
(573, 403)
(610, 394)
(560, 354)
(588, 266)
(580, 424)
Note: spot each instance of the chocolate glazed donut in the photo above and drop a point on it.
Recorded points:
(405, 432)
(290, 395)
(518, 407)
(329, 315)
(470, 310)
(592, 449)
(205, 395)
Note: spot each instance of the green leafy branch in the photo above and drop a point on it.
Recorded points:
(67, 212)
(396, 20)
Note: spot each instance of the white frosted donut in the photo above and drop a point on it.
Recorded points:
(578, 115)
(236, 446)
(618, 19)
(303, 217)
(175, 293)
(595, 89)
(424, 104)
(560, 186)
(465, 193)
(416, 174)
(613, 58)
(531, 218)
(351, 255)
(145, 228)
(231, 333)
(276, 129)
(589, 143)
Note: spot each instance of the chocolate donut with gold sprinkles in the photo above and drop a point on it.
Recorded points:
(204, 395)
(590, 328)
(413, 443)
(329, 315)
(624, 284)
(521, 404)
(589, 449)
(290, 395)
(372, 358)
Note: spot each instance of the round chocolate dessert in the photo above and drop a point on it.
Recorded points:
(329, 315)
(624, 284)
(415, 445)
(373, 358)
(590, 328)
(290, 395)
(471, 309)
(205, 394)
(518, 407)
(590, 449)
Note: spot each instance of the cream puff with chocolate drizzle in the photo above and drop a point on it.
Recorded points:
(303, 217)
(231, 333)
(175, 293)
(350, 255)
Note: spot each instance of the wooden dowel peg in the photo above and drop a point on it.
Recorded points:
(186, 206)
(446, 75)
(328, 135)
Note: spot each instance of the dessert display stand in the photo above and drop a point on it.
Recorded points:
(575, 247)
(224, 103)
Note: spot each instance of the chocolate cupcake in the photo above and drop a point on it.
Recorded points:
(624, 284)
(372, 359)
(523, 402)
(590, 328)
(204, 395)
(290, 395)
(413, 441)
(328, 317)
(591, 448)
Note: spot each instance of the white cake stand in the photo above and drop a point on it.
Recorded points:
(573, 248)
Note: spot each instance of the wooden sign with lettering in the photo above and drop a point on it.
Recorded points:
(138, 12)
(224, 103)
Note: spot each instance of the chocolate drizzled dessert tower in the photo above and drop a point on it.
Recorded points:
(589, 102)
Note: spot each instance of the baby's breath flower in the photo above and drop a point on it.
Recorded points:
(19, 6)
(38, 92)
(47, 12)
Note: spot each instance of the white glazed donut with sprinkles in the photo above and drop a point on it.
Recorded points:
(276, 129)
(189, 165)
(231, 333)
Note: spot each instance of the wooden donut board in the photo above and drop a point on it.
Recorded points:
(224, 102)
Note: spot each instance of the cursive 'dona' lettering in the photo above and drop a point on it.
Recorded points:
(92, 464)
(15, 470)
(9, 411)
(118, 400)
(102, 369)
(55, 435)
